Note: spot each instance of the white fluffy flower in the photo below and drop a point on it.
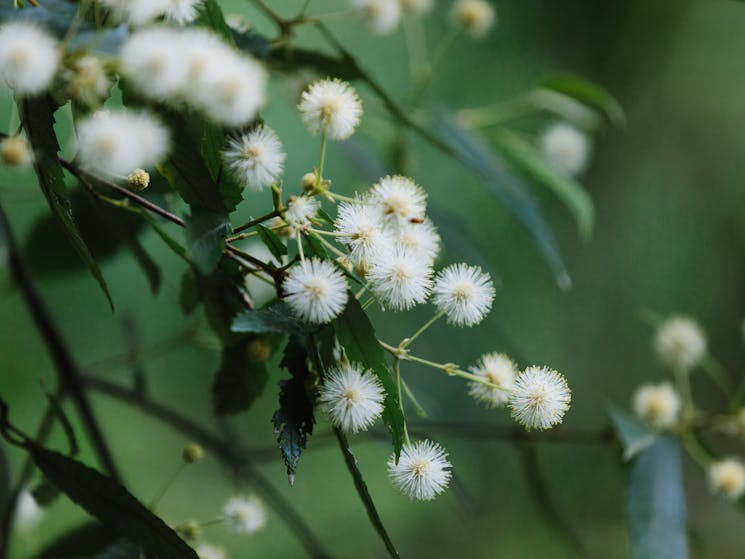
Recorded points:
(331, 106)
(381, 16)
(183, 11)
(137, 12)
(87, 80)
(28, 57)
(475, 16)
(464, 293)
(417, 6)
(497, 369)
(727, 476)
(421, 238)
(400, 279)
(117, 143)
(657, 404)
(200, 49)
(680, 343)
(566, 147)
(256, 158)
(540, 397)
(28, 512)
(245, 515)
(360, 227)
(352, 398)
(400, 198)
(209, 551)
(422, 472)
(300, 210)
(315, 290)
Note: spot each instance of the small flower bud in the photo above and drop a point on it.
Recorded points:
(139, 179)
(259, 350)
(190, 530)
(193, 453)
(16, 152)
(309, 181)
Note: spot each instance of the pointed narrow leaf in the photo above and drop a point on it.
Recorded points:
(588, 93)
(275, 318)
(205, 235)
(635, 437)
(272, 242)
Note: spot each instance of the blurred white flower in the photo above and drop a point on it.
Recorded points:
(331, 106)
(87, 80)
(209, 551)
(315, 290)
(422, 472)
(497, 369)
(15, 151)
(352, 397)
(381, 16)
(28, 512)
(680, 343)
(727, 477)
(28, 57)
(400, 279)
(256, 159)
(657, 405)
(183, 11)
(300, 210)
(137, 12)
(566, 147)
(539, 398)
(464, 293)
(421, 238)
(475, 16)
(245, 515)
(400, 198)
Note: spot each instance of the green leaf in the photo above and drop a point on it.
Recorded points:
(275, 318)
(205, 236)
(294, 419)
(121, 549)
(5, 481)
(84, 541)
(240, 380)
(588, 93)
(655, 504)
(188, 293)
(45, 493)
(635, 437)
(110, 503)
(174, 245)
(528, 162)
(211, 16)
(357, 336)
(508, 189)
(222, 295)
(38, 120)
(272, 242)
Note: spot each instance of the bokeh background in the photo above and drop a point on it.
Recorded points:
(670, 235)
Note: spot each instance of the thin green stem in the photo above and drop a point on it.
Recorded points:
(322, 157)
(407, 342)
(254, 222)
(340, 197)
(299, 239)
(399, 382)
(694, 449)
(166, 486)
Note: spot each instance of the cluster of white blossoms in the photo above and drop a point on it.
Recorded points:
(657, 404)
(727, 476)
(195, 67)
(566, 147)
(680, 343)
(138, 12)
(245, 515)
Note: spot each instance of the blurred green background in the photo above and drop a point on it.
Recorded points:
(670, 235)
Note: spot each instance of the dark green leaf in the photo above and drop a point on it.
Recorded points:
(294, 420)
(655, 506)
(272, 242)
(223, 297)
(275, 318)
(122, 548)
(240, 380)
(588, 93)
(357, 336)
(61, 416)
(5, 487)
(528, 162)
(205, 235)
(110, 503)
(174, 245)
(45, 493)
(38, 120)
(188, 294)
(634, 436)
(85, 541)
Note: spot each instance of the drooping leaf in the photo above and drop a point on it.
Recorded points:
(528, 162)
(239, 381)
(82, 542)
(635, 437)
(110, 503)
(205, 235)
(38, 121)
(274, 318)
(357, 336)
(45, 493)
(588, 93)
(294, 419)
(656, 504)
(122, 548)
(272, 242)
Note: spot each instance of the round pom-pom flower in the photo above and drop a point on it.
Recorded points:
(257, 158)
(332, 107)
(28, 57)
(657, 404)
(300, 210)
(401, 279)
(497, 369)
(400, 198)
(351, 397)
(315, 290)
(475, 16)
(382, 16)
(421, 238)
(464, 293)
(727, 477)
(680, 343)
(359, 226)
(245, 515)
(422, 472)
(566, 147)
(539, 398)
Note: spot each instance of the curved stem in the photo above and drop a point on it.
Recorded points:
(421, 330)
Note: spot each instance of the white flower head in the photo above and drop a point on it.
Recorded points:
(15, 151)
(727, 477)
(464, 293)
(420, 238)
(28, 512)
(117, 143)
(352, 397)
(680, 343)
(381, 16)
(475, 16)
(137, 12)
(245, 515)
(315, 290)
(400, 198)
(566, 147)
(208, 551)
(200, 49)
(401, 279)
(331, 106)
(360, 227)
(418, 7)
(422, 472)
(497, 369)
(300, 210)
(183, 11)
(657, 404)
(540, 397)
(256, 159)
(28, 57)
(87, 81)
